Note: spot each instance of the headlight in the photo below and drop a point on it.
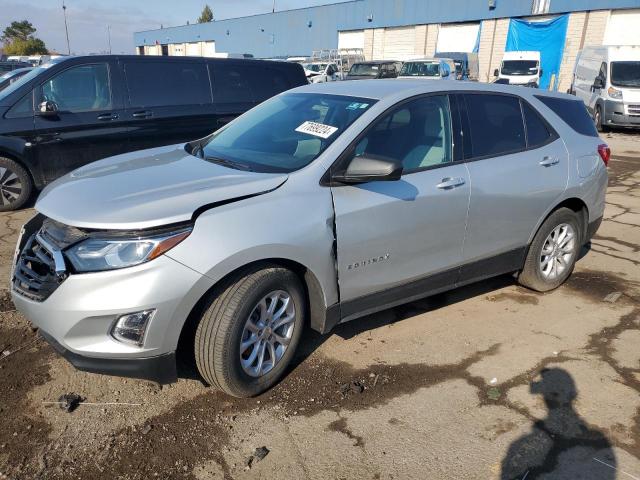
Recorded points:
(105, 253)
(615, 93)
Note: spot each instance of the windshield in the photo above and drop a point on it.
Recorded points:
(284, 133)
(625, 74)
(420, 69)
(25, 78)
(520, 67)
(364, 69)
(314, 67)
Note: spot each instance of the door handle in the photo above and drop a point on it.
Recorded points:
(449, 183)
(549, 161)
(144, 114)
(108, 116)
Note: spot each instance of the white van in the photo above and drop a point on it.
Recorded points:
(607, 80)
(520, 68)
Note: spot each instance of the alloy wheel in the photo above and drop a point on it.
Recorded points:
(267, 333)
(10, 186)
(557, 251)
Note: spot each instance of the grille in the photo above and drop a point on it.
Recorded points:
(633, 109)
(36, 274)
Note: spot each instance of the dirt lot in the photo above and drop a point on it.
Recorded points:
(490, 381)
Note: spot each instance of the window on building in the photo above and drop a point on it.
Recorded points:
(540, 7)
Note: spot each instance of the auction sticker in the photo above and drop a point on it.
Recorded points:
(317, 129)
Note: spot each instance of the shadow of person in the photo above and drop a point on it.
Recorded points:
(561, 446)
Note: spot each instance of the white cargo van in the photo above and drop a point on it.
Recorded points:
(607, 79)
(520, 68)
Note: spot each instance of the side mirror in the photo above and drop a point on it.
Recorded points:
(47, 108)
(541, 72)
(370, 168)
(496, 72)
(598, 82)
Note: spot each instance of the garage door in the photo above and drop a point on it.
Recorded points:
(622, 28)
(208, 49)
(351, 39)
(462, 37)
(399, 43)
(193, 49)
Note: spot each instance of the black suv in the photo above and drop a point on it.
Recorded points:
(75, 110)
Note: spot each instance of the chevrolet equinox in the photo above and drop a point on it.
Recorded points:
(321, 205)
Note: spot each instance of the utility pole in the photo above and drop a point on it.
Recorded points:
(66, 29)
(273, 10)
(109, 37)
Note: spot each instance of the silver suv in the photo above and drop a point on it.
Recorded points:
(319, 206)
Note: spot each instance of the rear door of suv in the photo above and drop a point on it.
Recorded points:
(518, 168)
(168, 101)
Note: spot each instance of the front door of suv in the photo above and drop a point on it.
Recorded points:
(518, 169)
(398, 239)
(88, 125)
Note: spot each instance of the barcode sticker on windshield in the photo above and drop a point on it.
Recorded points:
(317, 129)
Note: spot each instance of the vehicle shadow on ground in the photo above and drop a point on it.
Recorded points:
(561, 445)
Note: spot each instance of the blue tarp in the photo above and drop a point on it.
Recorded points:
(546, 37)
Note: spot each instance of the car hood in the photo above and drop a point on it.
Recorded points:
(148, 188)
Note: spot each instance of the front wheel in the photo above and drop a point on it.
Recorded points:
(553, 252)
(597, 118)
(248, 336)
(15, 185)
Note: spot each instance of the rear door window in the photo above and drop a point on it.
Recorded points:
(495, 124)
(231, 84)
(538, 133)
(160, 84)
(573, 112)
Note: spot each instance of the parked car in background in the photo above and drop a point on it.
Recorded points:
(12, 76)
(320, 72)
(466, 63)
(317, 207)
(429, 69)
(374, 69)
(11, 65)
(76, 110)
(607, 80)
(519, 68)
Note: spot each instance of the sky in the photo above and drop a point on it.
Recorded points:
(88, 20)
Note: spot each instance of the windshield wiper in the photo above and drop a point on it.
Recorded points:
(229, 163)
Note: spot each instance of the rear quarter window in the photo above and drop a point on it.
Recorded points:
(573, 113)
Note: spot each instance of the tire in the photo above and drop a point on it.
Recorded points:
(224, 325)
(15, 185)
(597, 118)
(533, 274)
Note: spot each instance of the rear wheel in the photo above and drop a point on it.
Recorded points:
(248, 335)
(553, 252)
(15, 185)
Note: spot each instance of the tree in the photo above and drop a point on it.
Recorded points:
(206, 15)
(18, 31)
(31, 46)
(18, 39)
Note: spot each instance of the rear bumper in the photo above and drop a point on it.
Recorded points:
(161, 369)
(614, 115)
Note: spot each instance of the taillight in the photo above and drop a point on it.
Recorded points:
(605, 153)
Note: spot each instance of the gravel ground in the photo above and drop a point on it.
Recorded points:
(490, 381)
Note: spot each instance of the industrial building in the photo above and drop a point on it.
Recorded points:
(403, 29)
